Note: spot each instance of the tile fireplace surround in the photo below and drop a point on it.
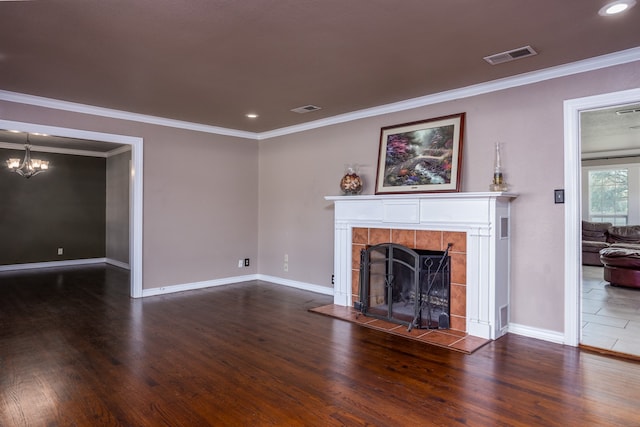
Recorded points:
(477, 224)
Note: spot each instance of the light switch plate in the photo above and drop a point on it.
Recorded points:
(558, 196)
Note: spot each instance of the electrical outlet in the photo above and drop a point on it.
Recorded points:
(246, 262)
(60, 251)
(333, 279)
(240, 263)
(286, 266)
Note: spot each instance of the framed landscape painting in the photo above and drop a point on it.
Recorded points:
(424, 156)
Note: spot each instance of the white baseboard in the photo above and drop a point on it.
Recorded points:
(117, 263)
(197, 285)
(236, 279)
(49, 264)
(295, 284)
(541, 334)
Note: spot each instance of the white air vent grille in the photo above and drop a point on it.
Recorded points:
(504, 316)
(629, 111)
(305, 109)
(510, 55)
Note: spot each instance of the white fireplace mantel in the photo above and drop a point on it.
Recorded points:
(484, 217)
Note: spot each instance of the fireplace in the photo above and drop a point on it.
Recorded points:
(480, 263)
(405, 286)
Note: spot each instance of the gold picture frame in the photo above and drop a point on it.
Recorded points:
(423, 156)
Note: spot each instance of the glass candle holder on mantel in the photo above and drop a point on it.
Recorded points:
(498, 183)
(351, 182)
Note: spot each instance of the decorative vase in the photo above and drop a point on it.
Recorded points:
(351, 183)
(498, 183)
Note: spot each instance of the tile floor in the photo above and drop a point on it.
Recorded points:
(610, 315)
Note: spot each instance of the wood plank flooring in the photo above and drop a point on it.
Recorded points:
(75, 350)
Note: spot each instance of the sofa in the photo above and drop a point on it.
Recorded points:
(621, 256)
(594, 239)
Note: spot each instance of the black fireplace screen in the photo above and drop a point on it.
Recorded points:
(405, 286)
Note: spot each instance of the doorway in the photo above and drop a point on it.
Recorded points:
(135, 207)
(573, 209)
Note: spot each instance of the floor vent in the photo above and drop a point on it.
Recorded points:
(510, 55)
(305, 109)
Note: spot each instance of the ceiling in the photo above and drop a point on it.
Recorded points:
(610, 132)
(212, 61)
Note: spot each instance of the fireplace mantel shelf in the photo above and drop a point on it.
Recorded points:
(418, 196)
(483, 216)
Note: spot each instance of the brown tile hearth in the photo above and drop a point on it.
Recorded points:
(450, 339)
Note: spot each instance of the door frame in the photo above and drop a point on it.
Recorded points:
(573, 208)
(135, 207)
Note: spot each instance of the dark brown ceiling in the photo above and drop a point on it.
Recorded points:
(212, 61)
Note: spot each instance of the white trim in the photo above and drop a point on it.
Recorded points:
(603, 61)
(162, 290)
(119, 150)
(51, 264)
(71, 151)
(572, 216)
(136, 207)
(117, 263)
(295, 284)
(197, 285)
(57, 104)
(541, 334)
(41, 149)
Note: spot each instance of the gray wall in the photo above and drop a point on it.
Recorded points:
(298, 170)
(117, 221)
(61, 208)
(202, 206)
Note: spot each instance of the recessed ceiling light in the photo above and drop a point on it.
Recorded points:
(616, 7)
(251, 115)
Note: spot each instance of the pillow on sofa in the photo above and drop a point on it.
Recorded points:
(624, 234)
(595, 231)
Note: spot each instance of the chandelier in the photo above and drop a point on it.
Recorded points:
(29, 167)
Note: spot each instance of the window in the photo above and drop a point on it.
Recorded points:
(609, 196)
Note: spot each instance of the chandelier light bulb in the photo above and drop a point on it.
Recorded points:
(29, 167)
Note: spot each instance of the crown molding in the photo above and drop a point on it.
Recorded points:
(591, 64)
(42, 149)
(56, 104)
(71, 151)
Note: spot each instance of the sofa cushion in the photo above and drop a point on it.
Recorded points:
(591, 246)
(595, 231)
(624, 234)
(635, 246)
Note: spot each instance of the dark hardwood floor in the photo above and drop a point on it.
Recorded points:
(75, 350)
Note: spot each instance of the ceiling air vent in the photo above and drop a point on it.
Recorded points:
(305, 109)
(510, 55)
(628, 111)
